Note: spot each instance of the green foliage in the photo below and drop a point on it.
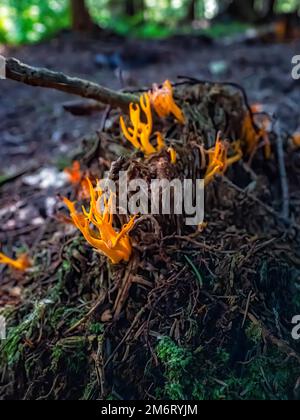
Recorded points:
(23, 21)
(26, 21)
(286, 6)
(221, 29)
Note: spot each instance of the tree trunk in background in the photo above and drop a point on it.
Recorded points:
(130, 8)
(191, 12)
(134, 7)
(243, 10)
(271, 9)
(81, 19)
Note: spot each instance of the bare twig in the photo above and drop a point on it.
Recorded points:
(132, 326)
(88, 315)
(247, 308)
(283, 174)
(283, 346)
(34, 76)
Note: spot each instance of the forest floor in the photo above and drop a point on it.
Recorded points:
(38, 138)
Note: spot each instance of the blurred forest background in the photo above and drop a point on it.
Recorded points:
(27, 21)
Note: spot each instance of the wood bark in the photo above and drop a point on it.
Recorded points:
(81, 19)
(35, 76)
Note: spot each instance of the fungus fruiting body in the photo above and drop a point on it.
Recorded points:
(173, 155)
(140, 132)
(296, 139)
(22, 263)
(219, 159)
(74, 173)
(252, 135)
(97, 227)
(163, 102)
(77, 179)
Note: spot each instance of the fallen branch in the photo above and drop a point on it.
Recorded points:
(34, 76)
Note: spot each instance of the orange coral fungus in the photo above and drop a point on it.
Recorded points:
(257, 108)
(173, 155)
(237, 154)
(21, 263)
(139, 135)
(74, 173)
(280, 29)
(84, 191)
(97, 227)
(76, 177)
(218, 158)
(296, 139)
(252, 136)
(163, 102)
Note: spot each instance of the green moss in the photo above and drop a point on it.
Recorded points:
(69, 354)
(13, 346)
(254, 333)
(193, 376)
(175, 360)
(96, 328)
(90, 390)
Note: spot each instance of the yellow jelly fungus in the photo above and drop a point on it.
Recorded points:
(74, 173)
(173, 155)
(97, 227)
(75, 177)
(140, 132)
(252, 137)
(218, 158)
(21, 263)
(163, 102)
(296, 139)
